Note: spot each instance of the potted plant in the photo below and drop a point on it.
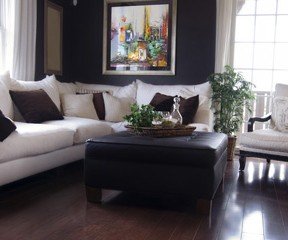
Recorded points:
(231, 93)
(141, 116)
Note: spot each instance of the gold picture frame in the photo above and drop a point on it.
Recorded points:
(53, 37)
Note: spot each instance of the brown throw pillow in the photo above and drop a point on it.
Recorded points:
(99, 105)
(188, 107)
(162, 102)
(35, 106)
(7, 126)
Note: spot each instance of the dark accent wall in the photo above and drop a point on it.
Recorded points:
(67, 51)
(82, 42)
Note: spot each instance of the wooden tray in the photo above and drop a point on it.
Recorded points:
(160, 132)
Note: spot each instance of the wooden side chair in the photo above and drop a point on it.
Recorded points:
(270, 143)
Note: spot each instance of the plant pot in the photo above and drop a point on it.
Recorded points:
(231, 147)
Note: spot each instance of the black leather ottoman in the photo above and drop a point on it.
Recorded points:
(181, 165)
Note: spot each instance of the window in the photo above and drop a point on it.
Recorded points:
(7, 15)
(261, 42)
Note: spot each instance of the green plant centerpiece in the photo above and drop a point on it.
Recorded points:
(231, 94)
(141, 116)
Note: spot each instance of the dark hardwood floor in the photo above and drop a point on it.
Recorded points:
(50, 206)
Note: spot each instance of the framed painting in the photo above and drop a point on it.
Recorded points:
(139, 37)
(53, 31)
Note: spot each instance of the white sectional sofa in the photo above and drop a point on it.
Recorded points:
(34, 148)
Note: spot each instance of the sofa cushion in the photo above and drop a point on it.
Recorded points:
(98, 101)
(78, 105)
(83, 128)
(188, 107)
(34, 139)
(35, 106)
(7, 126)
(204, 113)
(66, 88)
(117, 127)
(48, 84)
(128, 91)
(6, 104)
(99, 105)
(145, 92)
(200, 127)
(162, 102)
(266, 139)
(116, 108)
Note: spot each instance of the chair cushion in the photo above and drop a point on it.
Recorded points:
(266, 139)
(34, 139)
(281, 90)
(280, 113)
(83, 128)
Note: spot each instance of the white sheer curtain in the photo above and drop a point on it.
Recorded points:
(24, 40)
(225, 24)
(7, 16)
(18, 38)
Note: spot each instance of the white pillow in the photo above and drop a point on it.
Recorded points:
(204, 101)
(146, 92)
(128, 91)
(74, 105)
(48, 84)
(66, 88)
(116, 108)
(280, 113)
(6, 104)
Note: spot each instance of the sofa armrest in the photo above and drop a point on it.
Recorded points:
(257, 119)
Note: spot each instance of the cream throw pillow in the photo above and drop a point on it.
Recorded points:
(280, 113)
(116, 108)
(78, 106)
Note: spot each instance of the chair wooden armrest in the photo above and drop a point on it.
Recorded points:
(257, 119)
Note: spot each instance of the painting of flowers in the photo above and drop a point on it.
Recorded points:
(138, 37)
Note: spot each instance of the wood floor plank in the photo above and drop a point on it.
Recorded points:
(53, 206)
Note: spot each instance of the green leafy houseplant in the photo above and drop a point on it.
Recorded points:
(231, 93)
(141, 116)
